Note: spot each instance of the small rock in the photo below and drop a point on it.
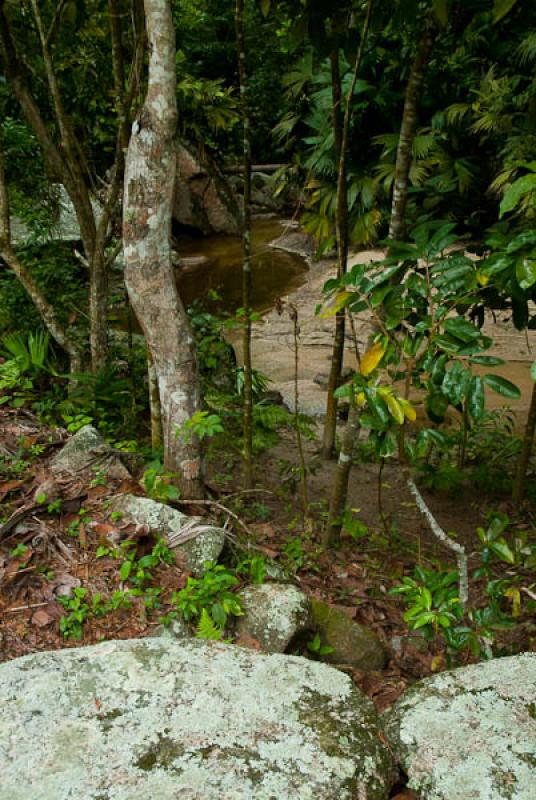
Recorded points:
(274, 614)
(177, 629)
(170, 523)
(352, 643)
(470, 732)
(88, 450)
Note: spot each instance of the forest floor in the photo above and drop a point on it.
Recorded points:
(52, 528)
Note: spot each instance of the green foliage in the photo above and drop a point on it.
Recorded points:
(317, 649)
(138, 571)
(158, 483)
(202, 424)
(212, 593)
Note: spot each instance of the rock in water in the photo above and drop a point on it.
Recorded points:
(173, 525)
(274, 614)
(470, 733)
(159, 720)
(352, 643)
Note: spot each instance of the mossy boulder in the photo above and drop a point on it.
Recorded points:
(352, 643)
(274, 613)
(87, 450)
(157, 719)
(173, 525)
(470, 732)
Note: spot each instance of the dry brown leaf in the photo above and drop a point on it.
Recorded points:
(41, 618)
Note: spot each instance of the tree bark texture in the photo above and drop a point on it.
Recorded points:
(408, 126)
(148, 196)
(340, 487)
(246, 247)
(45, 309)
(341, 130)
(526, 450)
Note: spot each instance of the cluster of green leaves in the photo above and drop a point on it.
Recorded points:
(80, 607)
(210, 599)
(433, 603)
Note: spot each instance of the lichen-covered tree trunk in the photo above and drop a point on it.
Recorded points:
(149, 184)
(342, 475)
(397, 225)
(246, 244)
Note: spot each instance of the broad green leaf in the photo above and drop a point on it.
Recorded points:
(501, 9)
(125, 570)
(487, 361)
(515, 192)
(461, 329)
(436, 405)
(476, 399)
(372, 358)
(377, 405)
(502, 386)
(502, 550)
(526, 271)
(533, 371)
(456, 383)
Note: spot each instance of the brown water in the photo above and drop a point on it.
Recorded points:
(275, 273)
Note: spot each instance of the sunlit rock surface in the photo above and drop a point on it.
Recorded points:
(470, 734)
(155, 719)
(274, 614)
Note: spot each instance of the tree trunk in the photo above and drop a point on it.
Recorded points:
(341, 128)
(45, 309)
(154, 405)
(397, 225)
(341, 227)
(340, 487)
(148, 195)
(246, 245)
(524, 456)
(65, 163)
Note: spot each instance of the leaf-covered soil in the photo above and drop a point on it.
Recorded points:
(51, 530)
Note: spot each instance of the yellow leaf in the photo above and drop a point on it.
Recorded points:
(372, 358)
(361, 399)
(394, 408)
(515, 596)
(333, 304)
(482, 279)
(407, 408)
(437, 663)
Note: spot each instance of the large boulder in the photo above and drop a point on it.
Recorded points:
(274, 613)
(470, 733)
(199, 200)
(352, 643)
(155, 719)
(87, 450)
(198, 541)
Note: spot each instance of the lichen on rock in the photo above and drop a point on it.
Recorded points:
(470, 733)
(162, 719)
(205, 546)
(274, 614)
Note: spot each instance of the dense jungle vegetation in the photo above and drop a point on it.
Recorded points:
(407, 128)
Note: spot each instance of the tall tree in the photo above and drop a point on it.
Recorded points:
(246, 245)
(43, 306)
(147, 207)
(408, 127)
(341, 133)
(63, 155)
